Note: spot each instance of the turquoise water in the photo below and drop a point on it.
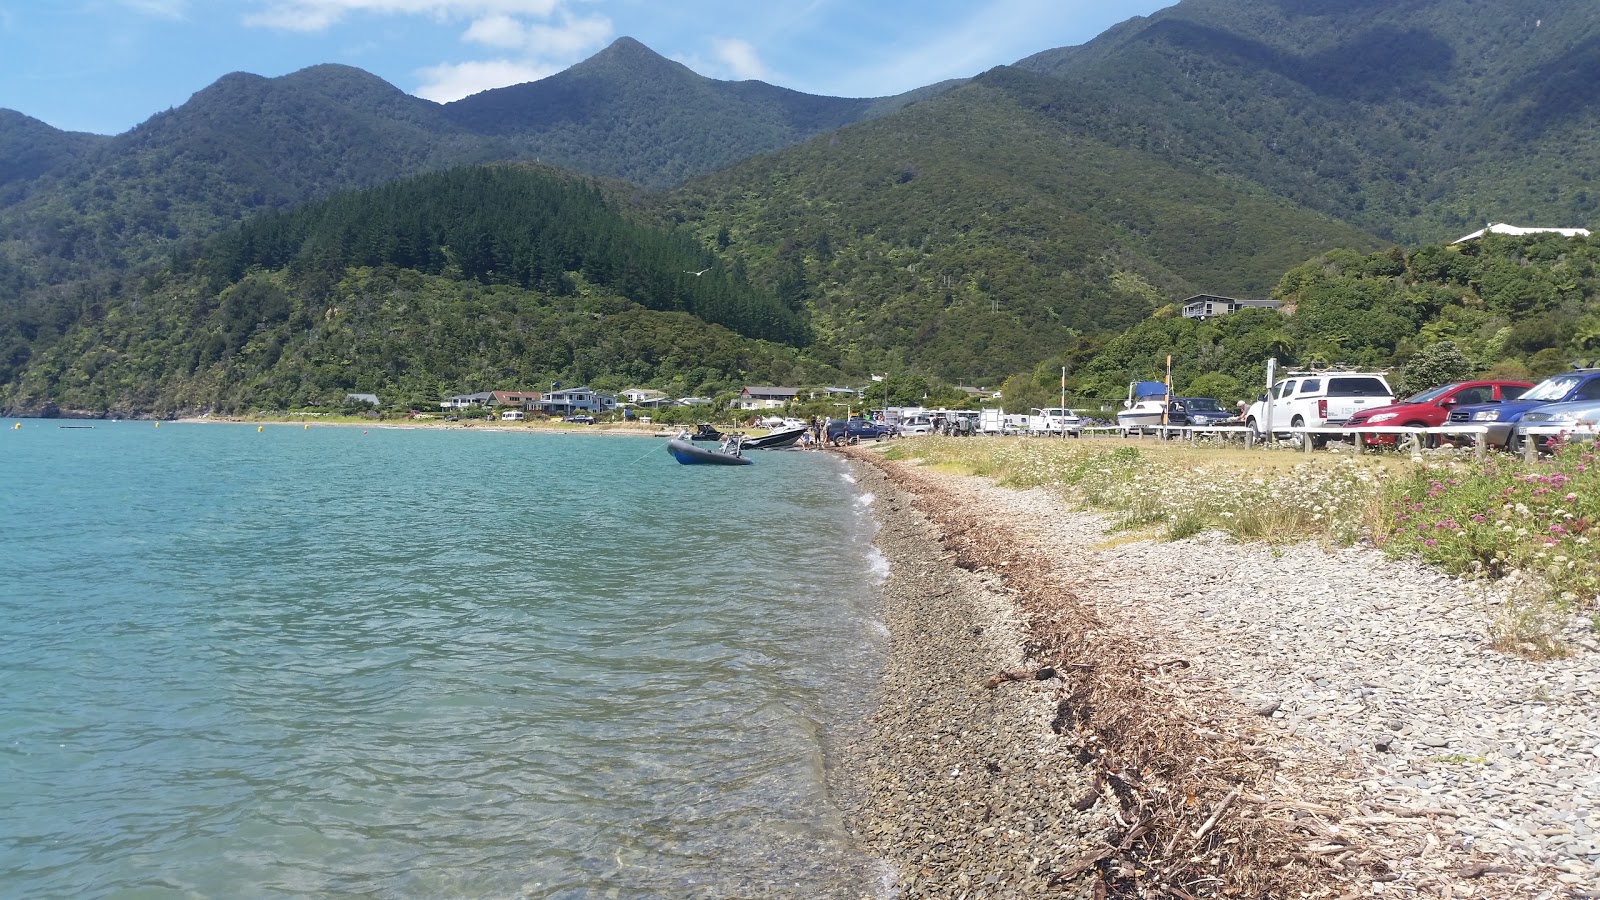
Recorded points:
(412, 663)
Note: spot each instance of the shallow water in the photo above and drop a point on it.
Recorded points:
(423, 663)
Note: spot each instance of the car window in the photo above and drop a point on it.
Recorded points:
(1589, 391)
(1482, 393)
(1358, 387)
(1284, 389)
(1551, 389)
(1510, 392)
(1429, 394)
(1311, 385)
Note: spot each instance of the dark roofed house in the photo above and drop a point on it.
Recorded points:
(760, 397)
(1204, 306)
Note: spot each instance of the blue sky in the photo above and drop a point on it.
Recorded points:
(107, 65)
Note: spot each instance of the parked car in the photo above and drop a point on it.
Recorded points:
(580, 420)
(1431, 408)
(1315, 399)
(1577, 415)
(915, 424)
(1053, 420)
(856, 430)
(1197, 411)
(1501, 418)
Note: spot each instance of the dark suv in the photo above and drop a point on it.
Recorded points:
(1501, 418)
(856, 430)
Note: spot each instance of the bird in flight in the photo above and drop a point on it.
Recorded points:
(697, 274)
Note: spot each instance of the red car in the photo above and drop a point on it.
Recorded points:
(1431, 408)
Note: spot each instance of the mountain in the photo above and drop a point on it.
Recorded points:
(973, 234)
(246, 143)
(968, 230)
(30, 149)
(1416, 119)
(632, 114)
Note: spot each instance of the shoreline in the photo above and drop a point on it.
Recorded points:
(1274, 723)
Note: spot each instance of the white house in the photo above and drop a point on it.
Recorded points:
(566, 401)
(759, 397)
(645, 397)
(1204, 306)
(1517, 231)
(462, 401)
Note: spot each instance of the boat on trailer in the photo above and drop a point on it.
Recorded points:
(1146, 406)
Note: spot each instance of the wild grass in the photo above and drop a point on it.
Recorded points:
(1496, 518)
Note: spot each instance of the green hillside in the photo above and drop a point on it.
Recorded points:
(632, 114)
(1418, 120)
(1515, 307)
(475, 278)
(974, 234)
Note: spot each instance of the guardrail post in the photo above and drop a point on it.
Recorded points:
(1530, 449)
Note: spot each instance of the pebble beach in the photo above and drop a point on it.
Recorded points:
(1068, 711)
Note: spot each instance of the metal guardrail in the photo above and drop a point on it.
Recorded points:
(1250, 438)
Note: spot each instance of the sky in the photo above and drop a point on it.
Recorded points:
(104, 66)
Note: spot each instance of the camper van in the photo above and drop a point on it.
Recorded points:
(512, 415)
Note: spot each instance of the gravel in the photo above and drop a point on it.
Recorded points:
(1471, 772)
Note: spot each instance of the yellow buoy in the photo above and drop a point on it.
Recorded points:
(158, 424)
(308, 427)
(258, 429)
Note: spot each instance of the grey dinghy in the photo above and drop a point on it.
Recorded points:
(690, 455)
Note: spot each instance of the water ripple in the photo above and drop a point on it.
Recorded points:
(423, 664)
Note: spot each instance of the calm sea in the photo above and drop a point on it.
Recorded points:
(413, 663)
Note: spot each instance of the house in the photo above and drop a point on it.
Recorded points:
(756, 397)
(693, 401)
(362, 398)
(462, 401)
(978, 393)
(524, 399)
(1516, 231)
(645, 397)
(566, 401)
(1204, 306)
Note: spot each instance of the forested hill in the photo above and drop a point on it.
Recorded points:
(976, 233)
(31, 150)
(1419, 120)
(464, 280)
(247, 144)
(632, 114)
(502, 225)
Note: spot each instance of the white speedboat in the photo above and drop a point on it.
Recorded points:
(1145, 407)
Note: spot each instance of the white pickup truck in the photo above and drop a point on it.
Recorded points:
(1315, 399)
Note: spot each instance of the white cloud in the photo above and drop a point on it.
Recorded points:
(319, 15)
(498, 30)
(740, 58)
(444, 83)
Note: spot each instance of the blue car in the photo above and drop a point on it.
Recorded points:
(1502, 418)
(856, 430)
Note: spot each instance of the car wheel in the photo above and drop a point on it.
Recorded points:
(1426, 441)
(1514, 443)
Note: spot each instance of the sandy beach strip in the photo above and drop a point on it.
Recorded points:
(1068, 713)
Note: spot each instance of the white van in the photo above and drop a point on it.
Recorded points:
(512, 415)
